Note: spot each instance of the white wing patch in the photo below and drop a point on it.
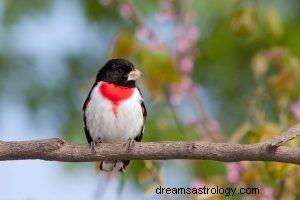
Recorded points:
(105, 126)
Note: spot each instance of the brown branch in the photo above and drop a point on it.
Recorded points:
(57, 149)
(284, 137)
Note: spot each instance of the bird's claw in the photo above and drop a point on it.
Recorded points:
(93, 144)
(130, 143)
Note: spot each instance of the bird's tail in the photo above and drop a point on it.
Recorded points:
(109, 166)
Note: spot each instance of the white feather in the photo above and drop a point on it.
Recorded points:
(105, 126)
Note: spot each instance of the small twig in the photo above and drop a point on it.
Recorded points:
(177, 121)
(284, 137)
(279, 192)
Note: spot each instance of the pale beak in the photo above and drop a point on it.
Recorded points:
(134, 75)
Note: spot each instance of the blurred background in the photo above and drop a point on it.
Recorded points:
(221, 71)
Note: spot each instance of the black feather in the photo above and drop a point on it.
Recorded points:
(116, 71)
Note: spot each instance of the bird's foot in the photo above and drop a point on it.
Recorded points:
(93, 144)
(130, 143)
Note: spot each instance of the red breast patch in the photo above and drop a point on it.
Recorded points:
(115, 94)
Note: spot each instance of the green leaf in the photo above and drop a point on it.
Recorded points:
(123, 46)
(159, 70)
(16, 9)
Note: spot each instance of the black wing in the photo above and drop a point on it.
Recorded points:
(86, 102)
(144, 110)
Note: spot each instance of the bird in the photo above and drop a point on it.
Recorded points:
(114, 110)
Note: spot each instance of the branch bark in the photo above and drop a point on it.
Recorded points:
(59, 150)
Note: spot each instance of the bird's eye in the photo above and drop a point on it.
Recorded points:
(120, 70)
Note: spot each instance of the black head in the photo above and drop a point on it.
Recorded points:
(120, 72)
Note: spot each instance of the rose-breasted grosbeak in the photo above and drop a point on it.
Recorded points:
(114, 110)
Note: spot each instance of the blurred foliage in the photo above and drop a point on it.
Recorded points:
(245, 69)
(14, 9)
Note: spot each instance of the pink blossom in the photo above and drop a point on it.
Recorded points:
(164, 16)
(267, 194)
(295, 108)
(212, 125)
(182, 44)
(155, 44)
(105, 2)
(193, 34)
(125, 10)
(186, 64)
(143, 33)
(186, 84)
(174, 95)
(185, 37)
(179, 31)
(233, 172)
(197, 184)
(166, 11)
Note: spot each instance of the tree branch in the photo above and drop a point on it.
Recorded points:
(59, 150)
(284, 137)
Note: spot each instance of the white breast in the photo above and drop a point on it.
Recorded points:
(104, 125)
